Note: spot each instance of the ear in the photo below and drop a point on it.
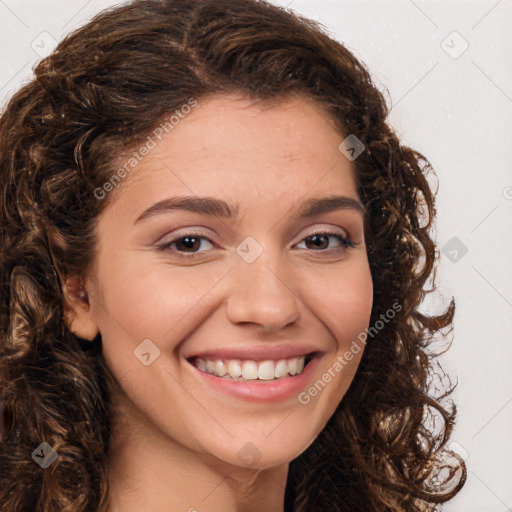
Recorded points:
(77, 311)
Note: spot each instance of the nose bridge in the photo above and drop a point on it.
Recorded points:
(261, 291)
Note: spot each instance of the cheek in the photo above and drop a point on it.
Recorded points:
(344, 302)
(144, 298)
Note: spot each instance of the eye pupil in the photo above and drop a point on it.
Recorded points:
(316, 239)
(189, 242)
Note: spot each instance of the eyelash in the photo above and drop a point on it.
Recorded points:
(346, 242)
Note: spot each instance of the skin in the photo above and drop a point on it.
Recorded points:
(176, 440)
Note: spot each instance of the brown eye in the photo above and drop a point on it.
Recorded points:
(189, 243)
(320, 241)
(186, 246)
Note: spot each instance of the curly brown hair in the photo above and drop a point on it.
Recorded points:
(99, 94)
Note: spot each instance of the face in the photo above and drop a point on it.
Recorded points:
(264, 277)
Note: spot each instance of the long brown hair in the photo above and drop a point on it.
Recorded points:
(104, 89)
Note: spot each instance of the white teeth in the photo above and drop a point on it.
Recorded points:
(220, 369)
(300, 364)
(292, 366)
(251, 370)
(200, 363)
(266, 370)
(210, 366)
(281, 369)
(234, 369)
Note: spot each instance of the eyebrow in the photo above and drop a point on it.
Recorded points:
(219, 208)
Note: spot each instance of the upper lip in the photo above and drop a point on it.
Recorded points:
(257, 353)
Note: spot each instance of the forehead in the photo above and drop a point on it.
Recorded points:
(230, 146)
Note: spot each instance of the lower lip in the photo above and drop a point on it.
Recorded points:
(262, 390)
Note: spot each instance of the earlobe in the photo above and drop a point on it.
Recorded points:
(77, 310)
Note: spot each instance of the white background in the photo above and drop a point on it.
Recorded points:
(458, 112)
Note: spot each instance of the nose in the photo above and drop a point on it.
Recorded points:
(262, 294)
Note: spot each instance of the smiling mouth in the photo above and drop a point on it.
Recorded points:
(246, 370)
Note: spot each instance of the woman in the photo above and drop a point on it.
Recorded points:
(174, 335)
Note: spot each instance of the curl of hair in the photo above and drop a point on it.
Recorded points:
(104, 89)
